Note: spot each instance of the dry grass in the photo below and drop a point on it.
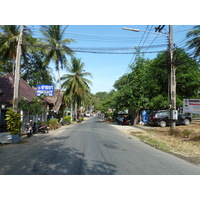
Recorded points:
(184, 141)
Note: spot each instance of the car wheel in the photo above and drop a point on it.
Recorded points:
(163, 124)
(186, 122)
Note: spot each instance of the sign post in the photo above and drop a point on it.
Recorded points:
(191, 106)
(46, 90)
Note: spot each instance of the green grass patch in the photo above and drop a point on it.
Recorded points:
(155, 143)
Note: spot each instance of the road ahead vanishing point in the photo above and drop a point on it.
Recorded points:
(89, 148)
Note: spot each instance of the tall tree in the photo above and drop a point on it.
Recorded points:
(194, 42)
(9, 36)
(56, 46)
(75, 83)
(35, 72)
(146, 87)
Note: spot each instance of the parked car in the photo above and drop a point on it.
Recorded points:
(162, 118)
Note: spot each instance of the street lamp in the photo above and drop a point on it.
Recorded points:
(138, 30)
(172, 75)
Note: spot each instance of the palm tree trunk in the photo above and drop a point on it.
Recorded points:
(59, 80)
(71, 111)
(57, 67)
(76, 108)
(13, 66)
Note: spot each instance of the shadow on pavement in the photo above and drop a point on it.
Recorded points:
(54, 158)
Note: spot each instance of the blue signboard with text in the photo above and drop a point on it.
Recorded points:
(46, 90)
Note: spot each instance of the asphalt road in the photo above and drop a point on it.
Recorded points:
(89, 148)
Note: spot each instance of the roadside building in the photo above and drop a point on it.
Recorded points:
(54, 104)
(51, 105)
(6, 95)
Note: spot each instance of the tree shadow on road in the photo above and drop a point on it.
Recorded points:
(54, 158)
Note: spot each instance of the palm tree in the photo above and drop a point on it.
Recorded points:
(9, 36)
(54, 38)
(75, 83)
(194, 43)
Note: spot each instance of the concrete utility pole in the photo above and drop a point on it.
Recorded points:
(171, 71)
(17, 71)
(172, 83)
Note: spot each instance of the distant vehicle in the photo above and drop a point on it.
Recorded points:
(87, 115)
(162, 118)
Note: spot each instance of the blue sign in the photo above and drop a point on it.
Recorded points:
(46, 90)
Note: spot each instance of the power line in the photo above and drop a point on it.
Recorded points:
(134, 55)
(106, 50)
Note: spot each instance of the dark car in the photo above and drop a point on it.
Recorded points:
(162, 118)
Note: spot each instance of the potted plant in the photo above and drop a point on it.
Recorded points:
(14, 124)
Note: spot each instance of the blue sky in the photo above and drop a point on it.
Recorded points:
(107, 68)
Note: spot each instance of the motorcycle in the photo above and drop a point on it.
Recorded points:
(124, 121)
(43, 129)
(28, 130)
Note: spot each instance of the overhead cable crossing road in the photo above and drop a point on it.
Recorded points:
(107, 50)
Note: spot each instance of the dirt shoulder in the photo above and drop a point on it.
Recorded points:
(184, 142)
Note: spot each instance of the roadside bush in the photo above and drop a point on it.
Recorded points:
(13, 121)
(67, 119)
(192, 135)
(109, 116)
(82, 118)
(186, 133)
(53, 122)
(58, 125)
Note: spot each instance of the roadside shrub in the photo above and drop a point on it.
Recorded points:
(53, 122)
(13, 121)
(82, 118)
(109, 116)
(67, 119)
(191, 134)
(186, 133)
(58, 125)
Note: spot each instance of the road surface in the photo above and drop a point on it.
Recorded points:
(89, 148)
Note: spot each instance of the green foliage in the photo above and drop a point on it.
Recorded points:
(13, 121)
(67, 119)
(53, 122)
(146, 87)
(76, 84)
(34, 107)
(109, 116)
(105, 100)
(194, 42)
(34, 71)
(187, 132)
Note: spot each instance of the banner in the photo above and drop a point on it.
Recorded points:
(46, 90)
(191, 106)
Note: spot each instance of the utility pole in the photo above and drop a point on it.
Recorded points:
(17, 71)
(172, 83)
(171, 72)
